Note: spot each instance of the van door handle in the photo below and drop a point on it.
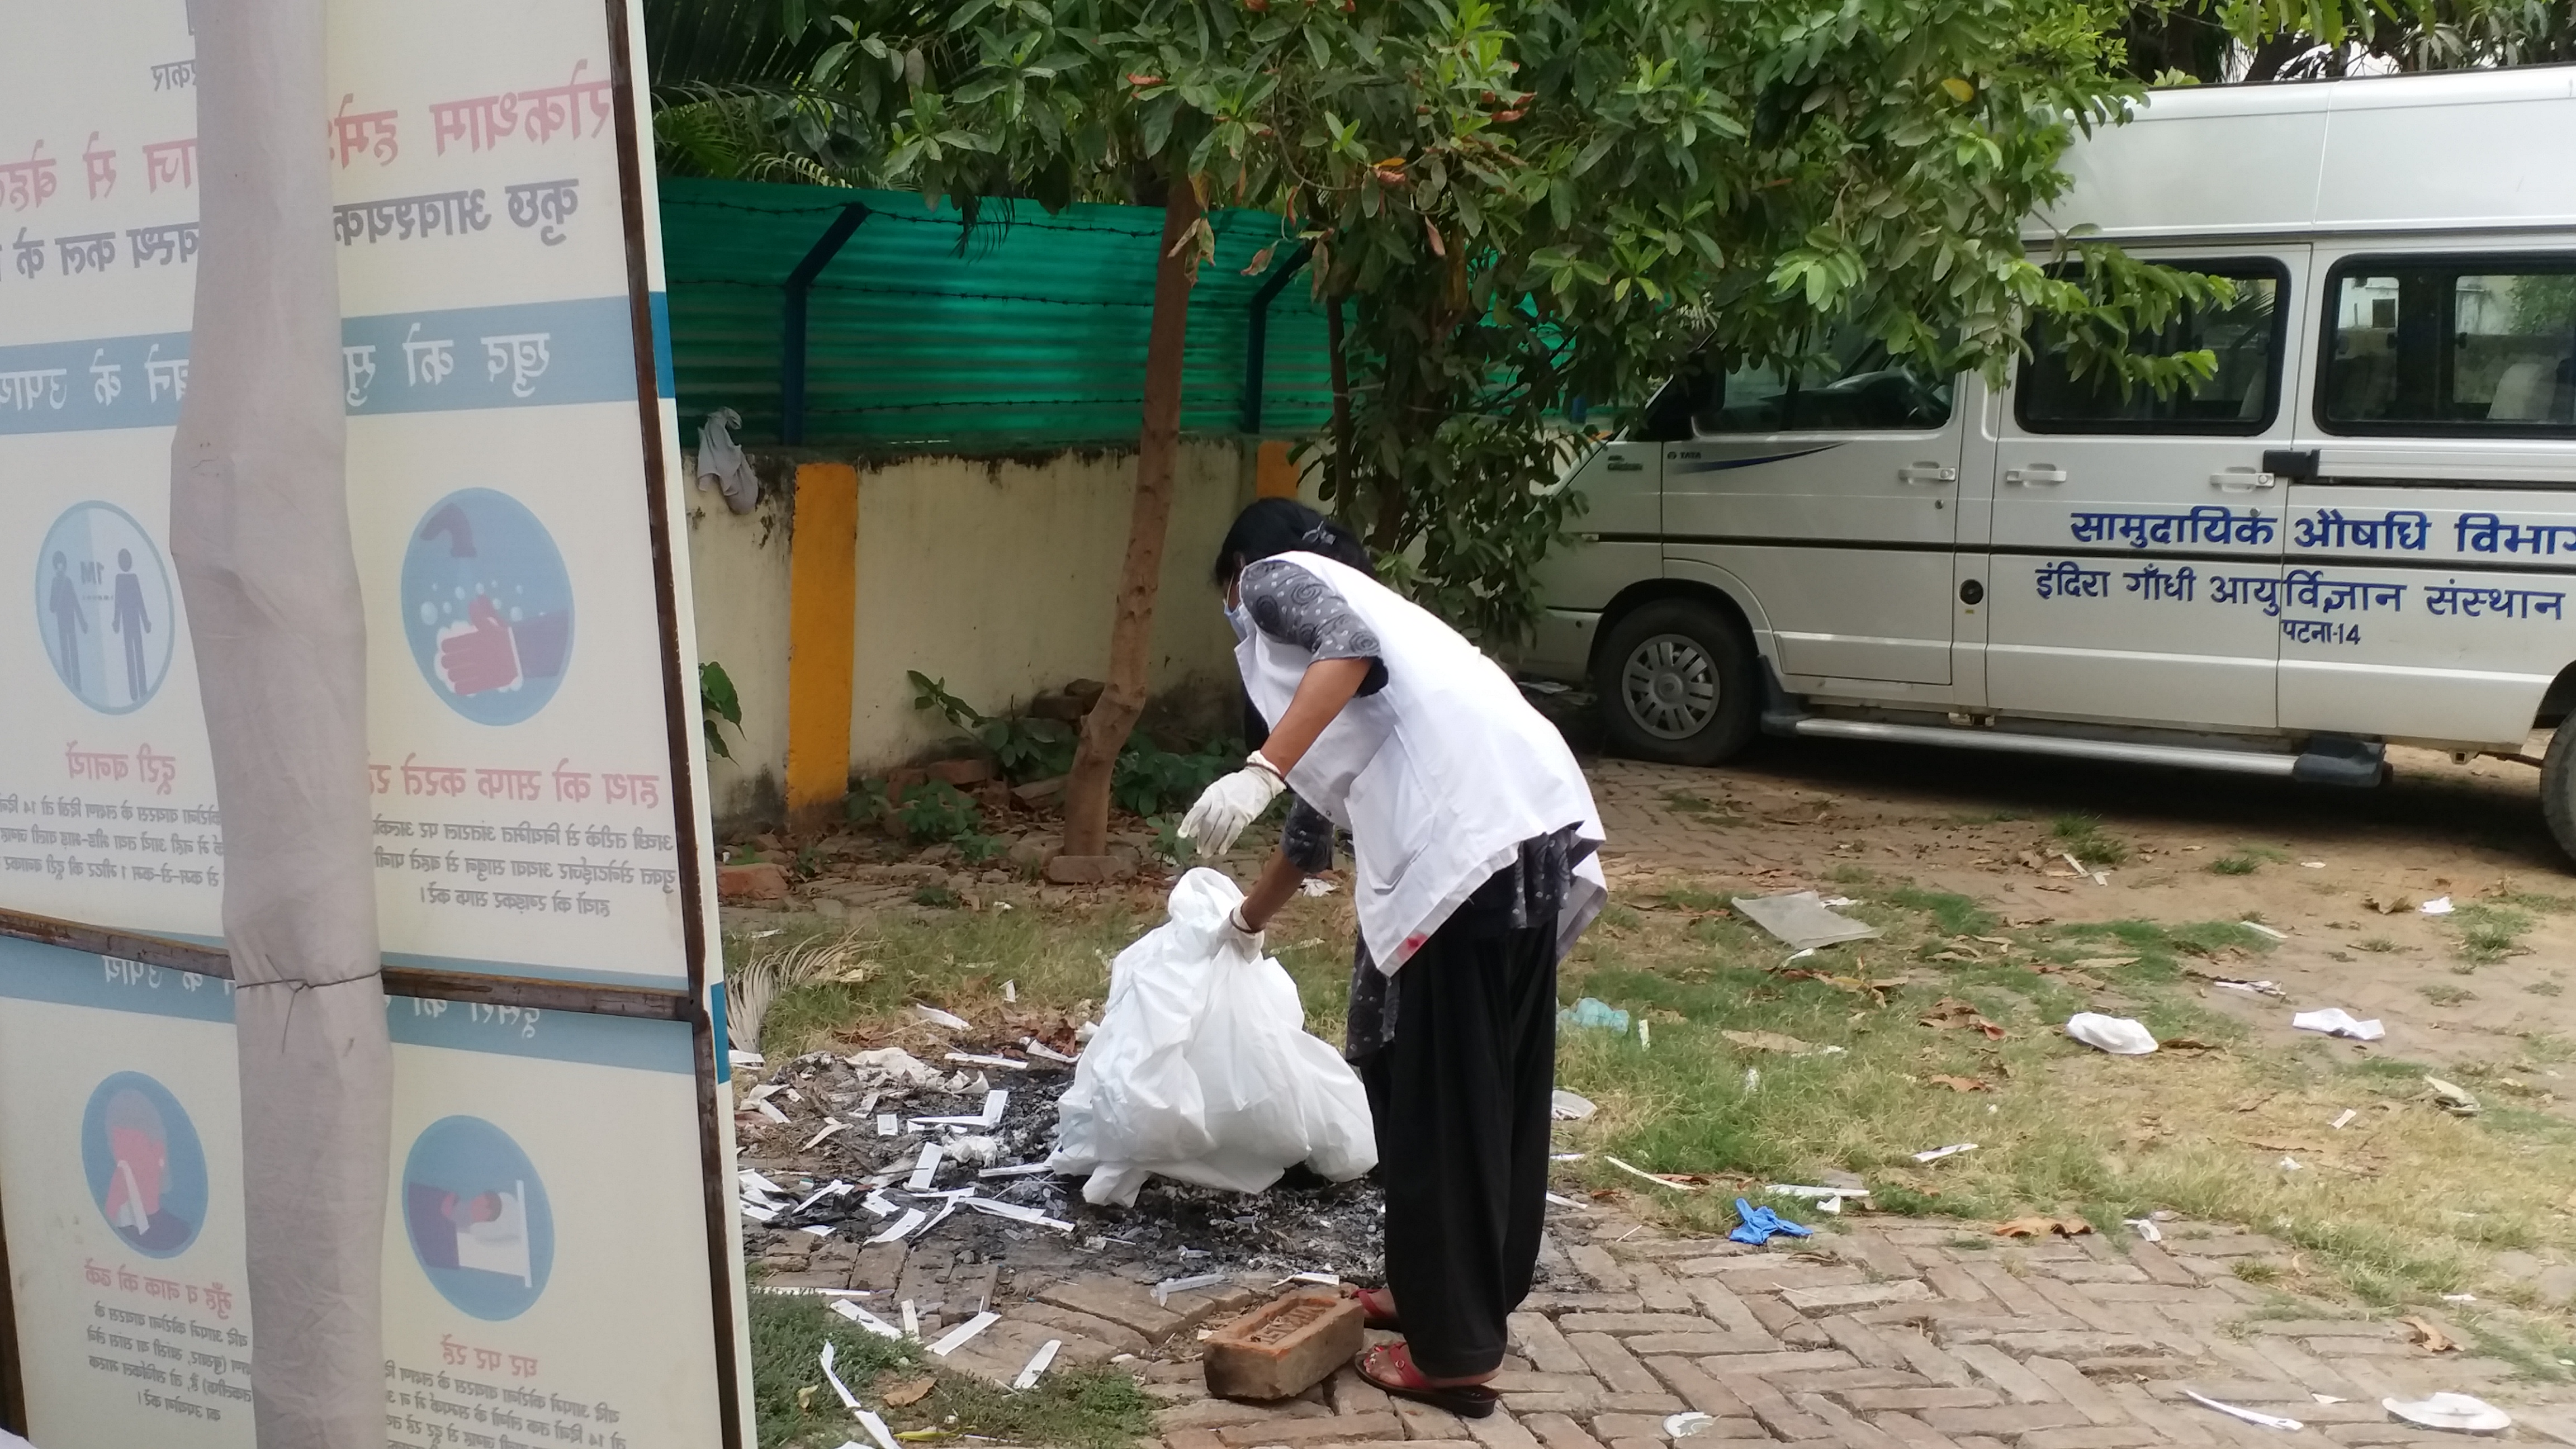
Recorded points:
(1623, 465)
(2241, 480)
(1927, 473)
(2037, 473)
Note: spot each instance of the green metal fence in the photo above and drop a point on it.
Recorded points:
(1032, 334)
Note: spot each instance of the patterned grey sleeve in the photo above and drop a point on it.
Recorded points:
(1307, 838)
(1295, 607)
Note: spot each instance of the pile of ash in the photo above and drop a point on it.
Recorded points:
(832, 1157)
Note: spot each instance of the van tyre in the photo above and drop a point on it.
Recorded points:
(1677, 684)
(2558, 786)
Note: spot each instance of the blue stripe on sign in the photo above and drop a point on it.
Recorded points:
(534, 354)
(32, 971)
(724, 1043)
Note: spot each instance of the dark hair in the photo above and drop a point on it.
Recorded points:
(1273, 526)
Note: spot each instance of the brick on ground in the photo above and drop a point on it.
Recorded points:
(1617, 1369)
(1327, 1428)
(1545, 1344)
(1284, 1347)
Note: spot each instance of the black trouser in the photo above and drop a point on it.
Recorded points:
(1460, 1099)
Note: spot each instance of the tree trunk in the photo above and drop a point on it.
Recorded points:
(1131, 636)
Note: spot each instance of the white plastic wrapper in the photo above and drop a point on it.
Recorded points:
(1203, 1070)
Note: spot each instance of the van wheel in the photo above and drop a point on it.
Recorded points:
(2558, 786)
(1677, 685)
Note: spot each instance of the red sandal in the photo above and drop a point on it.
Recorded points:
(1467, 1401)
(1377, 1309)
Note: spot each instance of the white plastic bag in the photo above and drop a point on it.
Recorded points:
(1203, 1070)
(2117, 1035)
(721, 463)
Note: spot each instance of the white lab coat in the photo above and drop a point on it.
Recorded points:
(1439, 776)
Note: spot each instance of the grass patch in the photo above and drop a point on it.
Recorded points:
(2489, 932)
(2082, 836)
(2236, 863)
(1683, 802)
(1076, 1408)
(2446, 995)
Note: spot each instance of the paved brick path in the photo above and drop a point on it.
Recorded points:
(1912, 1335)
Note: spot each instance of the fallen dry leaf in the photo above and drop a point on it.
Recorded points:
(1950, 1011)
(2042, 1227)
(2433, 1339)
(912, 1392)
(805, 1396)
(1961, 1084)
(2388, 905)
(2096, 963)
(2188, 1044)
(1771, 1041)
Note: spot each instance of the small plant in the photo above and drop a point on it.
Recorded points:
(932, 811)
(2081, 836)
(978, 847)
(1168, 844)
(718, 706)
(809, 863)
(935, 895)
(1683, 802)
(2376, 945)
(1024, 748)
(1150, 780)
(2236, 863)
(2544, 988)
(2445, 995)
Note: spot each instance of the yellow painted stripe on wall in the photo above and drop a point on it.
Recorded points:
(822, 628)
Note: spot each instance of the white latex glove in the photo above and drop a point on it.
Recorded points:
(1239, 934)
(1227, 806)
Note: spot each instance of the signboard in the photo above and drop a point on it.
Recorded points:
(536, 776)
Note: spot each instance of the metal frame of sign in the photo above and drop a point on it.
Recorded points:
(680, 719)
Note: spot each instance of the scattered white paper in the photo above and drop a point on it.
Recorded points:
(1010, 989)
(1645, 1033)
(911, 1320)
(746, 1059)
(1648, 1176)
(759, 1214)
(1021, 1169)
(2256, 988)
(925, 1167)
(834, 1188)
(848, 1400)
(903, 1226)
(1937, 1153)
(1326, 1279)
(1164, 1290)
(817, 1140)
(2344, 1118)
(937, 1017)
(1037, 1366)
(1682, 1426)
(1015, 1212)
(820, 1230)
(2147, 1229)
(980, 1060)
(956, 1338)
(1314, 886)
(866, 1320)
(876, 1429)
(2437, 906)
(2335, 1021)
(2325, 1398)
(1816, 1194)
(1838, 902)
(1565, 1157)
(1562, 1201)
(2258, 926)
(760, 1094)
(880, 1204)
(2313, 864)
(1043, 1052)
(1799, 919)
(2460, 1298)
(2289, 1164)
(888, 1124)
(2250, 1416)
(768, 1111)
(1567, 1106)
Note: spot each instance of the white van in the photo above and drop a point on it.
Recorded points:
(2362, 530)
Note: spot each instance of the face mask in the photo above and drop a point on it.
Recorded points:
(1241, 618)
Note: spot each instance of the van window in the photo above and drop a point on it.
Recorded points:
(2482, 346)
(2238, 399)
(1854, 387)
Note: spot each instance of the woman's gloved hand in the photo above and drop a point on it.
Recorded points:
(1227, 806)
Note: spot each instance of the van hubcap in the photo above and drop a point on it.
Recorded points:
(1670, 687)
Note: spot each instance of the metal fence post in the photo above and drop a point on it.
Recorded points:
(791, 337)
(1256, 338)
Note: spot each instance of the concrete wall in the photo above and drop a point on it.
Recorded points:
(997, 575)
